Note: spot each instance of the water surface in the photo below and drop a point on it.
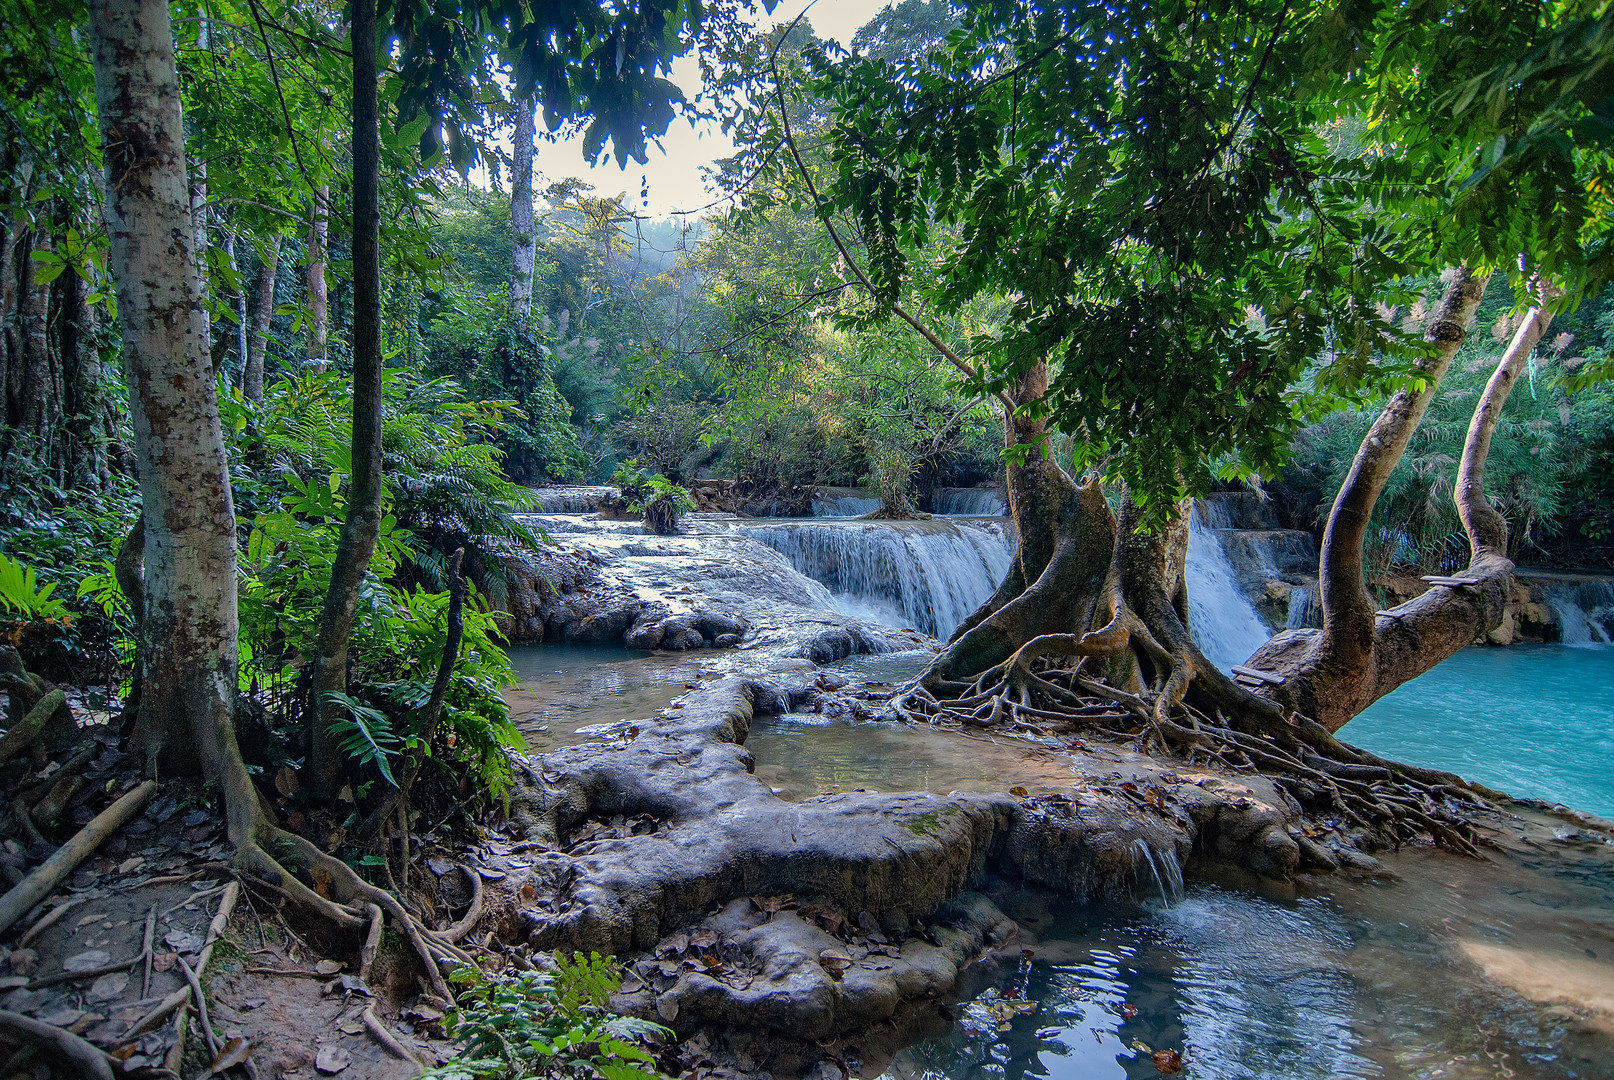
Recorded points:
(1531, 720)
(1247, 987)
(564, 688)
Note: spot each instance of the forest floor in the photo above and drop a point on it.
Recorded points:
(111, 955)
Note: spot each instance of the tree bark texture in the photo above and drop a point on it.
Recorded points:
(1486, 527)
(362, 525)
(524, 252)
(238, 300)
(319, 224)
(262, 313)
(1362, 654)
(189, 628)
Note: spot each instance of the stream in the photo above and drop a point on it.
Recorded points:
(1443, 967)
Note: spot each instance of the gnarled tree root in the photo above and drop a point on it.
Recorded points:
(1194, 710)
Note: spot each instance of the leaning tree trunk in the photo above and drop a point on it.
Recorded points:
(362, 526)
(258, 345)
(1362, 654)
(189, 628)
(524, 252)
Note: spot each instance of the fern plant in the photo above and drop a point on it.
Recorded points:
(552, 1024)
(365, 735)
(21, 593)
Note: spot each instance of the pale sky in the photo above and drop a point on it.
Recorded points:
(673, 174)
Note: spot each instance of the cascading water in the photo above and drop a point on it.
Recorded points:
(572, 500)
(1224, 623)
(1585, 612)
(1302, 609)
(967, 502)
(844, 503)
(927, 575)
(1163, 868)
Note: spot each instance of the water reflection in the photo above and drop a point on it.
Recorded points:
(1244, 988)
(564, 688)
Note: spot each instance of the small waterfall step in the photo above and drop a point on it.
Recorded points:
(1275, 568)
(927, 575)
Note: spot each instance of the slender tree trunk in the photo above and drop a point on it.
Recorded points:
(89, 420)
(525, 249)
(1362, 654)
(37, 404)
(189, 629)
(1487, 529)
(318, 295)
(262, 313)
(238, 299)
(362, 525)
(9, 345)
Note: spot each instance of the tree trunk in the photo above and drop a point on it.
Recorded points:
(525, 250)
(238, 300)
(197, 192)
(36, 408)
(362, 525)
(318, 296)
(189, 630)
(1487, 529)
(262, 313)
(89, 416)
(1361, 654)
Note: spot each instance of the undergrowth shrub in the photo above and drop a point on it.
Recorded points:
(552, 1024)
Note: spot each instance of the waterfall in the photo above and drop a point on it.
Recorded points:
(1223, 621)
(578, 499)
(967, 502)
(1585, 611)
(927, 575)
(1170, 883)
(843, 503)
(1302, 608)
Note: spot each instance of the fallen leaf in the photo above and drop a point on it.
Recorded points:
(1019, 792)
(439, 866)
(332, 1059)
(164, 961)
(231, 1054)
(1167, 1061)
(834, 962)
(108, 987)
(704, 938)
(286, 782)
(328, 967)
(128, 866)
(183, 941)
(677, 945)
(251, 1003)
(87, 961)
(1128, 1010)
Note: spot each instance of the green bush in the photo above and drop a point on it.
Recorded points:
(551, 1024)
(658, 499)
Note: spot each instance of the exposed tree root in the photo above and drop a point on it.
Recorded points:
(1192, 709)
